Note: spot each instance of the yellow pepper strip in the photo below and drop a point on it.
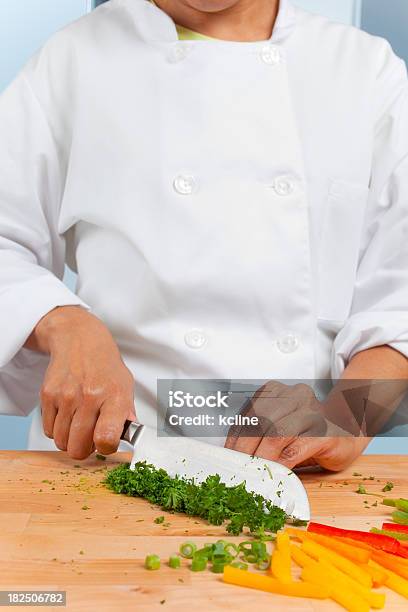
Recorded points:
(390, 562)
(346, 598)
(300, 557)
(345, 565)
(280, 567)
(378, 575)
(353, 553)
(394, 582)
(283, 543)
(261, 582)
(300, 534)
(283, 547)
(337, 578)
(375, 600)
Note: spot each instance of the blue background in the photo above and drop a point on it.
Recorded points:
(26, 24)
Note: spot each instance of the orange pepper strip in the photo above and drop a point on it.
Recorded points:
(346, 598)
(345, 565)
(261, 582)
(300, 557)
(355, 543)
(394, 582)
(390, 562)
(354, 553)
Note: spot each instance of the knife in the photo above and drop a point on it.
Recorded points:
(189, 458)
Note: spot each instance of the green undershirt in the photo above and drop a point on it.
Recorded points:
(186, 34)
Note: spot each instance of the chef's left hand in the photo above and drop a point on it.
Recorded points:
(294, 429)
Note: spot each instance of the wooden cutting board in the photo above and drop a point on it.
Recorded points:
(60, 528)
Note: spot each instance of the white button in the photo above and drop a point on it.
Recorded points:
(178, 53)
(270, 54)
(289, 343)
(195, 339)
(184, 184)
(284, 185)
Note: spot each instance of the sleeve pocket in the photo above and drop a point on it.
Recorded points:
(339, 248)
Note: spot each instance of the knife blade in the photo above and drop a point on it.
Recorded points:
(189, 458)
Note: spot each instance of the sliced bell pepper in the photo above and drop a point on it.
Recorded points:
(390, 563)
(239, 577)
(346, 598)
(375, 600)
(339, 579)
(376, 540)
(300, 557)
(378, 574)
(348, 550)
(395, 527)
(353, 570)
(283, 546)
(356, 543)
(280, 567)
(394, 582)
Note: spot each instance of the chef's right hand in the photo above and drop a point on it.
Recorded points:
(88, 392)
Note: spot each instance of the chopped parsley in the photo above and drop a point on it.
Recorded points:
(211, 500)
(388, 487)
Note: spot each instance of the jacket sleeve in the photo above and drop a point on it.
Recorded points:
(32, 252)
(379, 314)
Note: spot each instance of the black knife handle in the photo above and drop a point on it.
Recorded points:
(130, 432)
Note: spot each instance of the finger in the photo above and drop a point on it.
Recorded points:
(265, 408)
(288, 429)
(244, 444)
(48, 412)
(62, 426)
(67, 403)
(80, 443)
(109, 427)
(271, 447)
(303, 451)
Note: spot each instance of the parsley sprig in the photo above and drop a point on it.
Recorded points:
(211, 500)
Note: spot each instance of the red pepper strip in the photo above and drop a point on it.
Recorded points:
(395, 527)
(382, 542)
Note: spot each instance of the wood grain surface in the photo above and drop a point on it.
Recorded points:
(60, 528)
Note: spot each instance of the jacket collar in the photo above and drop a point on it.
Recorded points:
(153, 24)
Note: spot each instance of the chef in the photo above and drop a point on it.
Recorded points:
(229, 180)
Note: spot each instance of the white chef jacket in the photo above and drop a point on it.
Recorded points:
(233, 210)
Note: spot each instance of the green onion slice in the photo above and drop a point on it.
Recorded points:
(218, 568)
(174, 561)
(188, 549)
(152, 562)
(199, 564)
(239, 565)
